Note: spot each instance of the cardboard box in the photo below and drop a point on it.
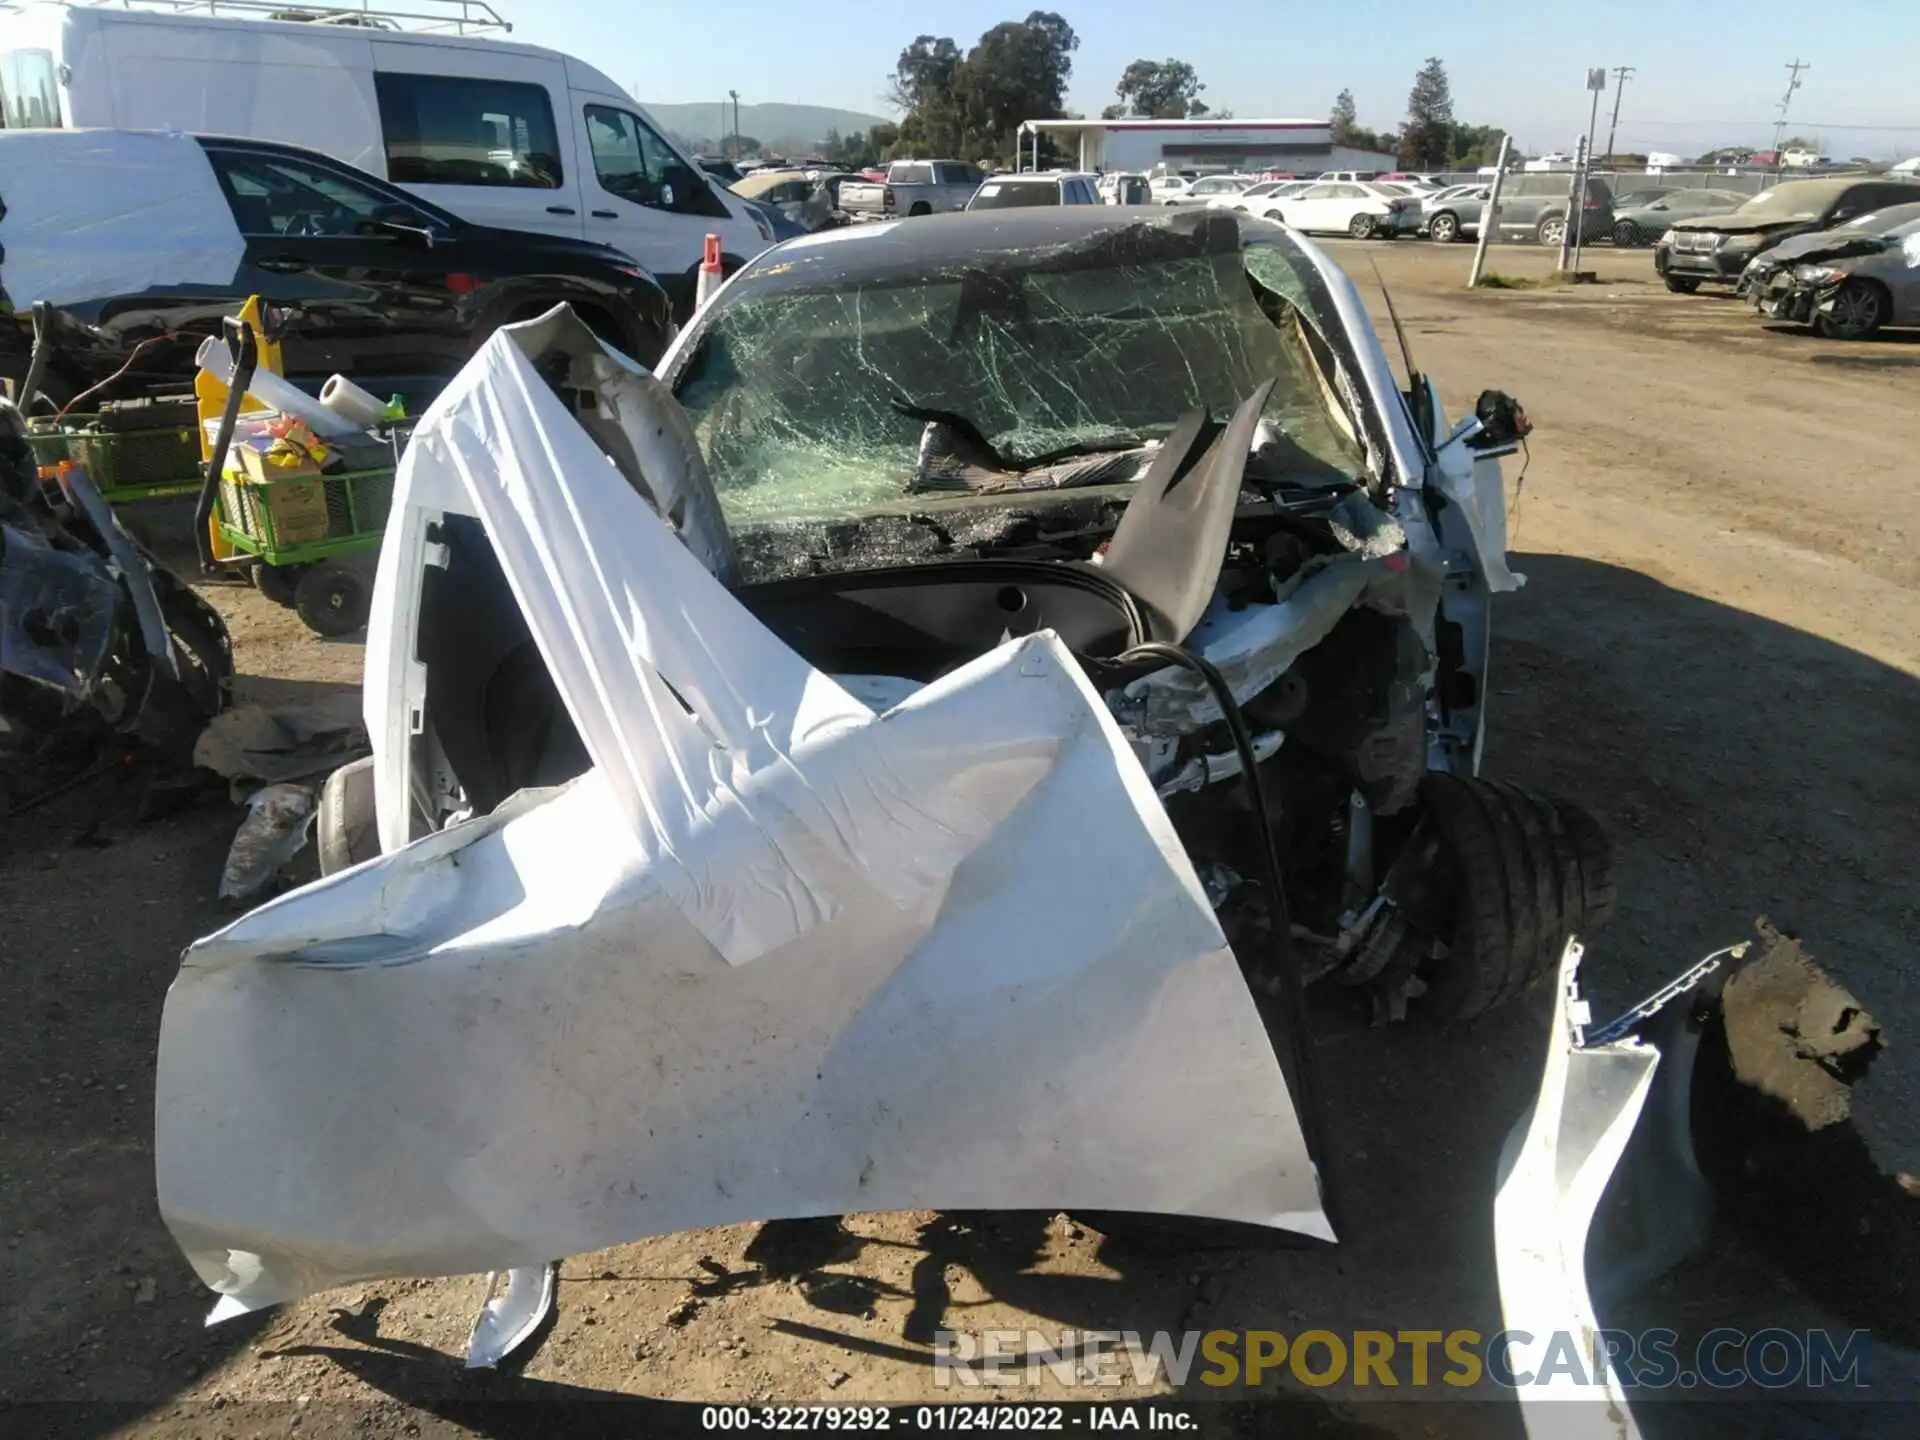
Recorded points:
(294, 497)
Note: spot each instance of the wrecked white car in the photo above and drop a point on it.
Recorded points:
(908, 755)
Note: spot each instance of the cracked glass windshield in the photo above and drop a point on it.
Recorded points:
(1010, 372)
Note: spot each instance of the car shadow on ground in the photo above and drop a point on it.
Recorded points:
(1744, 767)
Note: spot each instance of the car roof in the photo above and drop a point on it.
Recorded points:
(1817, 192)
(958, 240)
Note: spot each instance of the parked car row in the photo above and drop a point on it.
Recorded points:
(1717, 249)
(1848, 282)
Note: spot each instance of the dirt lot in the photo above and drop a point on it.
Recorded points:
(1718, 651)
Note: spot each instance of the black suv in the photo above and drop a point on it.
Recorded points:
(377, 284)
(1716, 249)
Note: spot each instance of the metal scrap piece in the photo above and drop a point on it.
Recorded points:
(507, 1319)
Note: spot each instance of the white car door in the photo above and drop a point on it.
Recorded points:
(1308, 210)
(644, 198)
(1347, 202)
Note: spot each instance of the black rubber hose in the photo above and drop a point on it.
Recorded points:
(1291, 984)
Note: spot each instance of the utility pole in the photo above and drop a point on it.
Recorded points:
(1786, 100)
(1490, 212)
(734, 95)
(1577, 194)
(1621, 74)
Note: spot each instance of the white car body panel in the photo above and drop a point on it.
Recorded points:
(774, 955)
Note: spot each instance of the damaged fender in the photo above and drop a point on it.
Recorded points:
(1578, 1141)
(774, 955)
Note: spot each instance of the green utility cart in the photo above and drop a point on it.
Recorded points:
(309, 540)
(136, 450)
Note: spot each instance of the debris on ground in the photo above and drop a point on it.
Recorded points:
(268, 744)
(1796, 1034)
(279, 820)
(106, 658)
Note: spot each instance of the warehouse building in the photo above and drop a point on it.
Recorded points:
(1302, 146)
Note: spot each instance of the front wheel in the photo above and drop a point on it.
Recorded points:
(1681, 284)
(1444, 229)
(1552, 231)
(1626, 235)
(1856, 313)
(1361, 227)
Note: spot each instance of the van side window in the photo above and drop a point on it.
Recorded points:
(453, 130)
(629, 158)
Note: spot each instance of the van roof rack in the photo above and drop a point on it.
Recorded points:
(460, 17)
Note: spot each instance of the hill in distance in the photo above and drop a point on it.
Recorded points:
(795, 125)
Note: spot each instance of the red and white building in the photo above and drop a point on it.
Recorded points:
(1301, 147)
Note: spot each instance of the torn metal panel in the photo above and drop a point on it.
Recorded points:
(507, 1320)
(756, 963)
(1553, 1171)
(1576, 1143)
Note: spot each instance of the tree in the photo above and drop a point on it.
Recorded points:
(1163, 89)
(1426, 140)
(1343, 125)
(972, 104)
(923, 73)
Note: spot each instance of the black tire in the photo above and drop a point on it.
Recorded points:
(277, 582)
(1551, 230)
(333, 600)
(1362, 226)
(1526, 873)
(919, 208)
(1480, 948)
(1627, 236)
(1681, 284)
(1599, 897)
(1859, 310)
(1444, 228)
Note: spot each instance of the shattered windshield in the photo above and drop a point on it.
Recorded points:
(1027, 371)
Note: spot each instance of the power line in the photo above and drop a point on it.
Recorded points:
(1799, 125)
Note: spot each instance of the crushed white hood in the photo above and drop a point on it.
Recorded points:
(788, 958)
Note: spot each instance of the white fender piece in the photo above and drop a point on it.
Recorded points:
(776, 954)
(1557, 1165)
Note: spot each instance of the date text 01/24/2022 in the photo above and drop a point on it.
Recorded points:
(1001, 1418)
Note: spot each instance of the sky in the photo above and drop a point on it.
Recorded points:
(1710, 72)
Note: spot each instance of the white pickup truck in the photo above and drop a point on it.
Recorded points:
(913, 187)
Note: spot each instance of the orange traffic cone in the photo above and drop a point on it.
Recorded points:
(710, 276)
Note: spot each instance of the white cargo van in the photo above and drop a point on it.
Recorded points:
(497, 132)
